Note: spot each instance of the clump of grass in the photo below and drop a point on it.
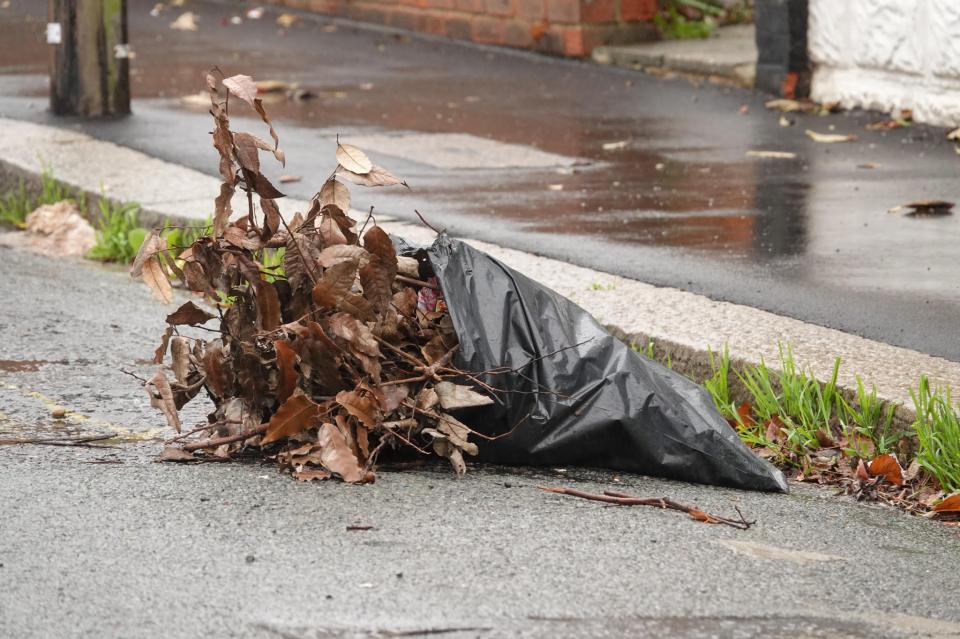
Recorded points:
(119, 234)
(937, 428)
(179, 238)
(869, 419)
(16, 205)
(718, 384)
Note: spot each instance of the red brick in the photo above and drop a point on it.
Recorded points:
(637, 10)
(487, 30)
(407, 19)
(458, 28)
(518, 34)
(594, 11)
(470, 6)
(435, 24)
(499, 7)
(563, 11)
(414, 3)
(573, 44)
(531, 9)
(442, 4)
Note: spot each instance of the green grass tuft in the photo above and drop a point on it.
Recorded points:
(119, 234)
(938, 434)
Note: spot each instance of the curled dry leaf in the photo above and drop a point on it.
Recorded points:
(353, 159)
(296, 414)
(161, 396)
(376, 176)
(453, 396)
(189, 314)
(338, 458)
(336, 193)
(949, 506)
(888, 467)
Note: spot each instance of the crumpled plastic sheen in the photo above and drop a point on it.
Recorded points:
(580, 396)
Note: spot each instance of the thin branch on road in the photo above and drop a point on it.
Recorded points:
(623, 499)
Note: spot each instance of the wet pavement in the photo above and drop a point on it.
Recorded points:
(509, 147)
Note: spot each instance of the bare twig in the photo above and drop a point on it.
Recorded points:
(427, 224)
(415, 282)
(219, 441)
(56, 441)
(623, 499)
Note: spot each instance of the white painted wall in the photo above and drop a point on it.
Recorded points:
(888, 54)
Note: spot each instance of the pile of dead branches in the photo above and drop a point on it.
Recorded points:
(320, 360)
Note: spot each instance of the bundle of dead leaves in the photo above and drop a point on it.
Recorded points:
(343, 352)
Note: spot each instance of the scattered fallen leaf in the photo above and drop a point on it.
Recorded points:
(829, 138)
(888, 467)
(286, 179)
(869, 165)
(615, 146)
(272, 86)
(950, 505)
(186, 22)
(174, 454)
(776, 155)
(922, 208)
(287, 20)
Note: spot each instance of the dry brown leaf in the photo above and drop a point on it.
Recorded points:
(335, 284)
(189, 313)
(174, 454)
(310, 474)
(355, 333)
(223, 209)
(376, 176)
(337, 457)
(286, 179)
(161, 350)
(453, 396)
(361, 406)
(949, 505)
(286, 358)
(336, 193)
(180, 359)
(296, 414)
(339, 253)
(888, 467)
(353, 159)
(156, 279)
(161, 396)
(243, 87)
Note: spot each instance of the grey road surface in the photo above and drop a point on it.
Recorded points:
(105, 542)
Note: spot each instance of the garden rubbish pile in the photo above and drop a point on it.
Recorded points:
(336, 345)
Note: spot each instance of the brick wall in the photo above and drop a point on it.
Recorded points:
(563, 27)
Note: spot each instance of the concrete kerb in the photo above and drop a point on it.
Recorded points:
(682, 325)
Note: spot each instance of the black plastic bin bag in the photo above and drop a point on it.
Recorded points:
(584, 398)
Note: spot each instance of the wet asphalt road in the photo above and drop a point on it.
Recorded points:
(679, 204)
(104, 542)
